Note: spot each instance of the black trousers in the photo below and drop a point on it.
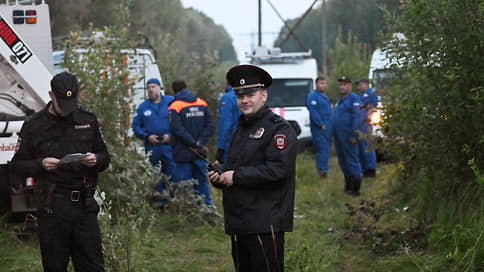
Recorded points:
(258, 252)
(70, 229)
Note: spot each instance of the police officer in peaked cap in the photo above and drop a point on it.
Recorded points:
(258, 179)
(66, 210)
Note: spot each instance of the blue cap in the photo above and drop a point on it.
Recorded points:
(153, 81)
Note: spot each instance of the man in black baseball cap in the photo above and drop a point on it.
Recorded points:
(363, 80)
(64, 91)
(346, 120)
(259, 173)
(66, 209)
(344, 79)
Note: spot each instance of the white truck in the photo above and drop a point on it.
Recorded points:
(381, 70)
(141, 63)
(27, 65)
(25, 73)
(382, 65)
(293, 78)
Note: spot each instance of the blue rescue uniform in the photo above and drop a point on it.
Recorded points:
(367, 158)
(346, 122)
(320, 113)
(191, 122)
(151, 118)
(228, 117)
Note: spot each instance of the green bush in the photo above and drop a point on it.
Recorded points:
(350, 59)
(434, 122)
(127, 186)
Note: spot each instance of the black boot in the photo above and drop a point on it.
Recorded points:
(356, 186)
(323, 175)
(370, 173)
(347, 184)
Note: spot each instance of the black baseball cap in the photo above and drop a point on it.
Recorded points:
(344, 79)
(65, 88)
(363, 79)
(248, 78)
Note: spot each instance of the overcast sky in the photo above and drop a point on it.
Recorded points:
(240, 18)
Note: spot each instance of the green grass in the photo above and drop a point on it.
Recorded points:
(179, 243)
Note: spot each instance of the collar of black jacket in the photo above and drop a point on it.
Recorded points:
(75, 115)
(248, 120)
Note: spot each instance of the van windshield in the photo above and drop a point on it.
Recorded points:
(382, 78)
(289, 92)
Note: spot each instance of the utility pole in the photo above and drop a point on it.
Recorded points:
(323, 38)
(260, 24)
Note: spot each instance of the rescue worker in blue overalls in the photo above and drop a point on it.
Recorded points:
(151, 124)
(228, 117)
(320, 112)
(369, 101)
(192, 127)
(346, 123)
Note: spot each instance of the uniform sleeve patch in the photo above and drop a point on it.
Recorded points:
(313, 102)
(280, 141)
(356, 104)
(101, 134)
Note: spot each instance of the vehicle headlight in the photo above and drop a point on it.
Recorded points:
(375, 118)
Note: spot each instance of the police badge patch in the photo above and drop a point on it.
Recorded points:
(258, 134)
(280, 141)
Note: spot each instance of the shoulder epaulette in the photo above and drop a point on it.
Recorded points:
(276, 118)
(33, 116)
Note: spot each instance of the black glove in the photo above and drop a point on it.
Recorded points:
(220, 155)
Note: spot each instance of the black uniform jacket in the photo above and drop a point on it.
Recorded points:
(262, 153)
(45, 135)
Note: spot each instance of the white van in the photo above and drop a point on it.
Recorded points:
(293, 76)
(141, 63)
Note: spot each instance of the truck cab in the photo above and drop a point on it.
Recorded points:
(293, 75)
(25, 73)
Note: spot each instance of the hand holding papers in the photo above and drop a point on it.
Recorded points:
(74, 157)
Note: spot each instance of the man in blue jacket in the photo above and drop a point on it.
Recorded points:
(369, 101)
(346, 123)
(151, 124)
(320, 110)
(192, 126)
(228, 117)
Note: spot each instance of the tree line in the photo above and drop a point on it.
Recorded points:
(360, 21)
(193, 31)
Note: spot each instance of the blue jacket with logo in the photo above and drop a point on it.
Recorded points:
(190, 122)
(228, 117)
(320, 111)
(347, 117)
(152, 118)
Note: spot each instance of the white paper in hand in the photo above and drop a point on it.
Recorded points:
(74, 157)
